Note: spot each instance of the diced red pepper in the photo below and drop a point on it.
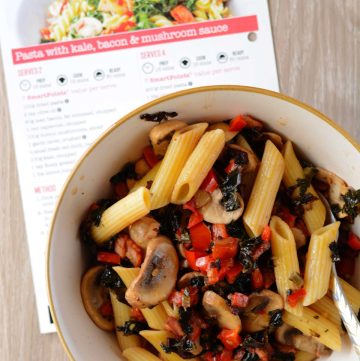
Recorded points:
(136, 314)
(200, 236)
(209, 356)
(231, 166)
(225, 248)
(173, 325)
(237, 124)
(108, 257)
(238, 299)
(287, 217)
(203, 263)
(219, 231)
(210, 182)
(230, 338)
(225, 266)
(353, 241)
(196, 217)
(150, 157)
(260, 249)
(257, 281)
(192, 256)
(296, 296)
(266, 234)
(182, 14)
(175, 298)
(121, 190)
(233, 273)
(213, 275)
(106, 309)
(134, 253)
(226, 355)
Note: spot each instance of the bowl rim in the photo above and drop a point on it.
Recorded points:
(141, 109)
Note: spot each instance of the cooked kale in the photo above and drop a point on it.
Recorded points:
(169, 218)
(335, 255)
(197, 282)
(252, 342)
(228, 187)
(352, 203)
(247, 246)
(275, 318)
(158, 117)
(184, 319)
(250, 356)
(126, 172)
(132, 327)
(240, 158)
(109, 278)
(283, 356)
(182, 347)
(236, 229)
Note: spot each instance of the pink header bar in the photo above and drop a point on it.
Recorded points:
(133, 39)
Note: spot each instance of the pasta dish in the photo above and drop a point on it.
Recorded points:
(72, 19)
(215, 247)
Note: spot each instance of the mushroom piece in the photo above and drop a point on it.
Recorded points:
(253, 161)
(157, 277)
(256, 316)
(299, 236)
(144, 230)
(214, 212)
(94, 296)
(185, 280)
(275, 138)
(290, 336)
(160, 135)
(218, 308)
(337, 188)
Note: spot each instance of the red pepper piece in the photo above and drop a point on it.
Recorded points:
(210, 182)
(237, 123)
(173, 325)
(296, 297)
(225, 248)
(233, 273)
(257, 281)
(219, 231)
(238, 299)
(192, 256)
(226, 355)
(203, 263)
(260, 249)
(287, 217)
(266, 234)
(196, 217)
(353, 241)
(175, 298)
(182, 14)
(108, 257)
(200, 236)
(231, 166)
(136, 314)
(230, 338)
(150, 157)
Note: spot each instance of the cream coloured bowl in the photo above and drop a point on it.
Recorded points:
(320, 140)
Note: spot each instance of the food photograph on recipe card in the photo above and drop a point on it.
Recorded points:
(65, 60)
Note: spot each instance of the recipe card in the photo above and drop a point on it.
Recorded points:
(74, 67)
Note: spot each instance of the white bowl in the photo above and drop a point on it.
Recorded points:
(321, 141)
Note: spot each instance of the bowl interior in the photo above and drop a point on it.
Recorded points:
(319, 141)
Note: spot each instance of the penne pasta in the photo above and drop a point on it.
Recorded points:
(139, 354)
(171, 311)
(352, 294)
(314, 216)
(326, 307)
(286, 263)
(304, 356)
(181, 146)
(121, 214)
(318, 263)
(155, 317)
(313, 324)
(258, 211)
(157, 338)
(146, 179)
(198, 166)
(121, 315)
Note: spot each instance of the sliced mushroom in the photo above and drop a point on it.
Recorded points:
(184, 281)
(144, 230)
(157, 275)
(94, 296)
(256, 317)
(225, 127)
(214, 212)
(290, 336)
(299, 236)
(337, 188)
(252, 158)
(275, 138)
(160, 135)
(201, 198)
(217, 307)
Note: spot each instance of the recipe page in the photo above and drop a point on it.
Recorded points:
(74, 67)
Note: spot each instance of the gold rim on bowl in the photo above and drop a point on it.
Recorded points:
(142, 109)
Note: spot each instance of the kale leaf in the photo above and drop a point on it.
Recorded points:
(275, 318)
(246, 249)
(126, 172)
(182, 347)
(228, 187)
(250, 356)
(352, 203)
(158, 117)
(184, 319)
(335, 255)
(109, 278)
(251, 342)
(132, 327)
(169, 218)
